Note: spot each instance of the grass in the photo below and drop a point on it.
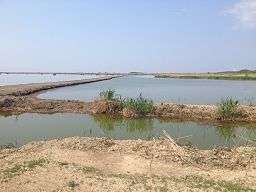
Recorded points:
(21, 168)
(89, 169)
(228, 109)
(161, 182)
(140, 104)
(108, 95)
(229, 75)
(72, 184)
(202, 183)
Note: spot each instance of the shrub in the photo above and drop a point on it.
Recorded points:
(108, 95)
(228, 109)
(141, 105)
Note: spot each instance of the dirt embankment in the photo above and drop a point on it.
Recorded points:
(27, 89)
(32, 104)
(88, 164)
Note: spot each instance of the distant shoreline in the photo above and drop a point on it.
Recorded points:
(228, 75)
(225, 75)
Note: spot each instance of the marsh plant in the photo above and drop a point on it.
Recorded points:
(228, 109)
(140, 104)
(108, 95)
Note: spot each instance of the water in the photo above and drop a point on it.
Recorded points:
(13, 79)
(22, 129)
(188, 91)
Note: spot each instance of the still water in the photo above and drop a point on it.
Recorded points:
(188, 91)
(19, 130)
(13, 79)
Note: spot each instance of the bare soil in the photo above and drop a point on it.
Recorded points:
(91, 164)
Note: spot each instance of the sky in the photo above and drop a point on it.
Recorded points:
(127, 35)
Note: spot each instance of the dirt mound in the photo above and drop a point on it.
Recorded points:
(130, 113)
(105, 107)
(91, 164)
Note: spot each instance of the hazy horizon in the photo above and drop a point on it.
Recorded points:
(125, 36)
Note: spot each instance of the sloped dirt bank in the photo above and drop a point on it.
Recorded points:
(32, 104)
(91, 164)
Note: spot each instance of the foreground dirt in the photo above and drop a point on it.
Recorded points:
(87, 164)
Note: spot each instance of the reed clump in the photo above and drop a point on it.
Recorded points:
(228, 109)
(108, 94)
(140, 105)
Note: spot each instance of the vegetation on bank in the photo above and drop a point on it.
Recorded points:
(21, 168)
(109, 95)
(228, 109)
(140, 105)
(228, 75)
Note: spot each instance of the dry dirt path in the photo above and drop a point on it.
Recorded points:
(26, 89)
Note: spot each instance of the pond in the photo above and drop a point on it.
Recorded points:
(19, 130)
(186, 91)
(13, 79)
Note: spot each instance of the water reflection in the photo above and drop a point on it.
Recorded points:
(186, 133)
(106, 123)
(231, 131)
(227, 132)
(139, 125)
(110, 123)
(30, 127)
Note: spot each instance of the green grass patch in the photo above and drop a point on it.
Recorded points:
(21, 168)
(162, 182)
(228, 109)
(140, 104)
(202, 183)
(88, 169)
(108, 95)
(72, 184)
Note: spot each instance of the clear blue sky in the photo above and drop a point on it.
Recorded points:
(127, 35)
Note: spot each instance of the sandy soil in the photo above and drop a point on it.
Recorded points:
(87, 164)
